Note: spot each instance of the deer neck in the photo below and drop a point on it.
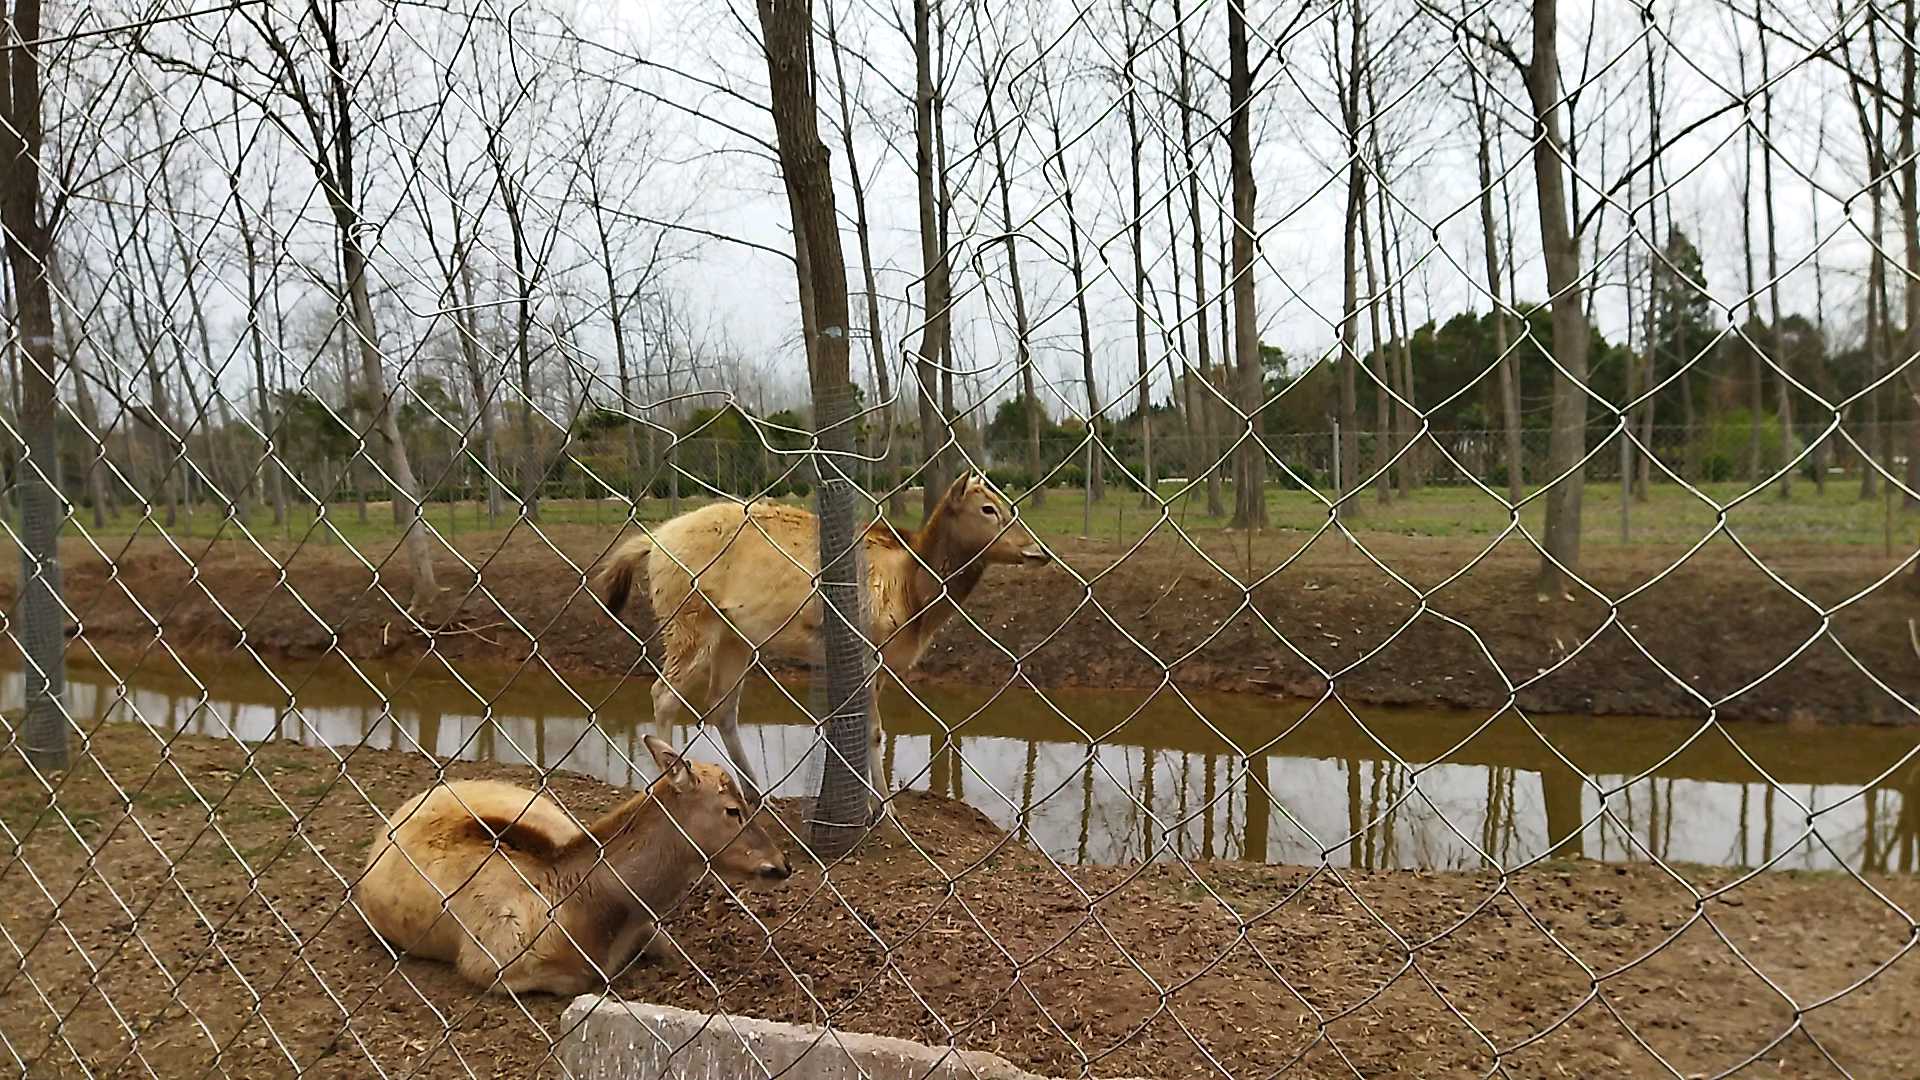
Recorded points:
(944, 575)
(633, 859)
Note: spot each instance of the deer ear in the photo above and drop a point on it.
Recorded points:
(665, 756)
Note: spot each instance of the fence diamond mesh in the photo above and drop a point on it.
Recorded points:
(1360, 539)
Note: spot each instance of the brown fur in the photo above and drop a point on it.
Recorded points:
(501, 883)
(731, 578)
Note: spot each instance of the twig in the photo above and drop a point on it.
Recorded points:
(1163, 595)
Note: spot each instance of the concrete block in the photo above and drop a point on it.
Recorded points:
(606, 1039)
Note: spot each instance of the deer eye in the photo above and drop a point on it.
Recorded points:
(733, 812)
(990, 511)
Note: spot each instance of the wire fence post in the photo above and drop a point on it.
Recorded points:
(42, 626)
(841, 812)
(41, 632)
(843, 704)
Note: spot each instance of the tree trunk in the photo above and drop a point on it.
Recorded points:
(229, 475)
(955, 425)
(1251, 512)
(97, 491)
(1910, 227)
(1756, 364)
(468, 327)
(1413, 464)
(532, 464)
(934, 434)
(883, 389)
(842, 802)
(1782, 359)
(1021, 328)
(1150, 496)
(386, 422)
(1650, 364)
(43, 732)
(1393, 347)
(616, 316)
(1349, 408)
(1877, 335)
(256, 347)
(1567, 444)
(1180, 380)
(1377, 353)
(1208, 413)
(1076, 267)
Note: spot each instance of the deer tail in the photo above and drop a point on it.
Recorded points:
(617, 574)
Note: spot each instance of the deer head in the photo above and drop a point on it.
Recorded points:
(976, 521)
(707, 805)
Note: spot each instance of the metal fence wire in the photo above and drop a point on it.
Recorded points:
(1359, 538)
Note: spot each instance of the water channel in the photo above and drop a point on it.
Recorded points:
(1116, 776)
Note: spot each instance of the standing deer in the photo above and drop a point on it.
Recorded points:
(733, 580)
(501, 883)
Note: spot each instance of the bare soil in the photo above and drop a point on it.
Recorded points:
(1450, 626)
(175, 921)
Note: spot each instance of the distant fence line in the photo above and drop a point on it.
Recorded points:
(602, 467)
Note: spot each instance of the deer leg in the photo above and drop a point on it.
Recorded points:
(679, 669)
(727, 675)
(729, 718)
(876, 756)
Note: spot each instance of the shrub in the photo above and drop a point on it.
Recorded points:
(1723, 447)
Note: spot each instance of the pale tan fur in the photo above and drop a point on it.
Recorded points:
(729, 578)
(501, 883)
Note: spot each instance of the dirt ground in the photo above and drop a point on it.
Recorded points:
(199, 932)
(1114, 616)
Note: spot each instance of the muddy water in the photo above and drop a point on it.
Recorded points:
(1116, 776)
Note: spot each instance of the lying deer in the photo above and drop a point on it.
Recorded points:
(731, 579)
(504, 885)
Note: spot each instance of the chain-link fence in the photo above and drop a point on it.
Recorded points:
(1392, 541)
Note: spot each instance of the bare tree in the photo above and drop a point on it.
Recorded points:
(1348, 80)
(883, 389)
(1910, 227)
(1208, 414)
(233, 480)
(1567, 444)
(1251, 500)
(1077, 269)
(1389, 351)
(1872, 124)
(1566, 448)
(256, 344)
(311, 73)
(1377, 352)
(98, 493)
(1135, 229)
(936, 274)
(1782, 356)
(156, 416)
(1022, 329)
(531, 254)
(787, 25)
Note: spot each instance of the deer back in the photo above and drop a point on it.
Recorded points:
(467, 849)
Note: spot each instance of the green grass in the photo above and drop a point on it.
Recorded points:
(342, 521)
(1673, 515)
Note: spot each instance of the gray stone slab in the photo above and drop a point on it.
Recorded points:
(607, 1039)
